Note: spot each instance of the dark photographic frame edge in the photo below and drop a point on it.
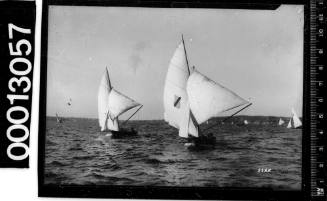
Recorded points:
(156, 192)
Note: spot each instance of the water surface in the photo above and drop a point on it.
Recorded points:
(77, 153)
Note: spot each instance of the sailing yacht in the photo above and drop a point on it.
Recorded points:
(112, 104)
(59, 120)
(191, 98)
(281, 122)
(294, 121)
(246, 122)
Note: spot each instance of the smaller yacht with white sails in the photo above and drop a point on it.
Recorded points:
(59, 120)
(112, 104)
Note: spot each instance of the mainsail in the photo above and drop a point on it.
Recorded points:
(111, 104)
(177, 112)
(207, 98)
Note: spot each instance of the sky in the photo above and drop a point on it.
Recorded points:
(258, 54)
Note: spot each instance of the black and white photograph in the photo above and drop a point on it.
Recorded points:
(174, 97)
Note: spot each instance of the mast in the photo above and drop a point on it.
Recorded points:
(189, 72)
(175, 99)
(109, 82)
(188, 67)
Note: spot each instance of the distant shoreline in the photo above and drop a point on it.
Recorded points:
(235, 118)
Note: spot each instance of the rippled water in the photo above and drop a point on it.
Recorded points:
(77, 153)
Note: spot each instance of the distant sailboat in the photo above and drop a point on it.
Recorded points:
(59, 120)
(69, 102)
(191, 98)
(246, 122)
(112, 104)
(281, 122)
(294, 122)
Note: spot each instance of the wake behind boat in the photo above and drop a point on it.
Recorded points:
(112, 104)
(191, 98)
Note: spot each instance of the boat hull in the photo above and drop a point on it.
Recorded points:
(200, 143)
(300, 127)
(123, 133)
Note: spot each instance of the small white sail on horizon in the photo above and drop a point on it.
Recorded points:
(59, 120)
(246, 122)
(192, 98)
(289, 125)
(281, 122)
(111, 104)
(295, 121)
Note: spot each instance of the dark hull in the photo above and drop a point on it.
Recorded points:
(300, 127)
(200, 143)
(123, 134)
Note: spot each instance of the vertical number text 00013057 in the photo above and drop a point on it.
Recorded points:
(20, 67)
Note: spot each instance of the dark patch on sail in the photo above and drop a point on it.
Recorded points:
(177, 101)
